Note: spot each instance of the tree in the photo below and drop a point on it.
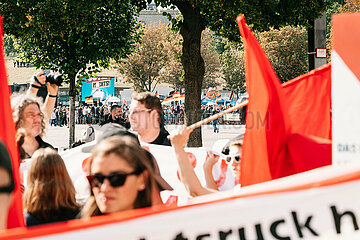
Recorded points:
(219, 16)
(9, 45)
(211, 60)
(286, 49)
(233, 67)
(154, 59)
(75, 38)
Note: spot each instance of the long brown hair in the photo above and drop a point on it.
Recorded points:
(128, 149)
(49, 190)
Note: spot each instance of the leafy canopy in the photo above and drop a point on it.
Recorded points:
(67, 35)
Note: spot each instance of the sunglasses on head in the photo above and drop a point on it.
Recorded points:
(236, 158)
(116, 179)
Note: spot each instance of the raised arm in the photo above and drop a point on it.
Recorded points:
(50, 98)
(187, 173)
(211, 160)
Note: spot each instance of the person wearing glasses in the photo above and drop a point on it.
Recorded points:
(120, 177)
(31, 115)
(233, 157)
(50, 194)
(187, 173)
(147, 119)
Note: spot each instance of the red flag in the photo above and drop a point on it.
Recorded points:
(266, 121)
(7, 135)
(308, 98)
(271, 148)
(124, 104)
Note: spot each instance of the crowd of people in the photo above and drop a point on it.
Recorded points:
(173, 114)
(121, 174)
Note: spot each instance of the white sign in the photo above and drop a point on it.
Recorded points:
(321, 53)
(232, 117)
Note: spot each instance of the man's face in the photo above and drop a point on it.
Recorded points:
(140, 118)
(32, 118)
(116, 113)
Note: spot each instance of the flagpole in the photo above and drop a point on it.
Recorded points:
(216, 116)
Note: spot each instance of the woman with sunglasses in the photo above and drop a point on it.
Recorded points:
(118, 177)
(188, 175)
(232, 159)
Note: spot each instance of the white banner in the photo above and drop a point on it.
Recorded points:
(309, 205)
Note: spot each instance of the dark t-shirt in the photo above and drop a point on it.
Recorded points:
(162, 138)
(5, 162)
(57, 216)
(43, 144)
(120, 121)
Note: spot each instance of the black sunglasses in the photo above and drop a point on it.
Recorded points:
(235, 157)
(116, 179)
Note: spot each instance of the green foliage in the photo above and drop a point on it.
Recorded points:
(220, 15)
(286, 49)
(9, 46)
(332, 9)
(211, 59)
(154, 59)
(157, 59)
(232, 67)
(69, 36)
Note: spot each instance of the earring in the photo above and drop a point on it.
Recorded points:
(142, 187)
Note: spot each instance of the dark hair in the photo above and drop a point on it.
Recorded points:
(151, 102)
(114, 107)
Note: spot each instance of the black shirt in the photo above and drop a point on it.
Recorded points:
(57, 216)
(120, 121)
(162, 138)
(43, 144)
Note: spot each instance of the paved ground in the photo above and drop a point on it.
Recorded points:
(58, 136)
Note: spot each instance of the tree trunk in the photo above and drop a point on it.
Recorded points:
(72, 95)
(193, 64)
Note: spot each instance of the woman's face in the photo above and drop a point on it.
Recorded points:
(32, 119)
(235, 166)
(111, 199)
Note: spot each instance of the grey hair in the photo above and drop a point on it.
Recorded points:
(19, 101)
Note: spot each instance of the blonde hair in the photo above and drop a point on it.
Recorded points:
(128, 149)
(237, 143)
(49, 190)
(19, 102)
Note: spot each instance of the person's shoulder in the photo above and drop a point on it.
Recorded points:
(42, 143)
(162, 138)
(30, 220)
